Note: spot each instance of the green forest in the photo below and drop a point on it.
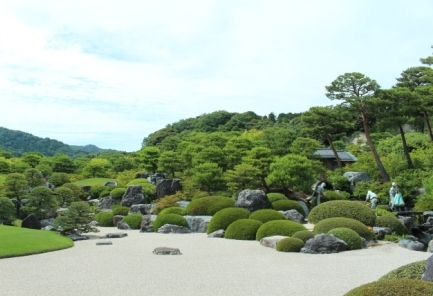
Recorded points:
(221, 153)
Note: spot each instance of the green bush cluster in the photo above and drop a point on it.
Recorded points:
(223, 218)
(119, 210)
(243, 229)
(7, 211)
(173, 210)
(400, 287)
(349, 236)
(209, 205)
(117, 193)
(304, 235)
(392, 222)
(326, 225)
(382, 212)
(106, 191)
(105, 219)
(412, 271)
(290, 244)
(423, 203)
(173, 219)
(336, 195)
(265, 215)
(279, 227)
(287, 204)
(274, 196)
(343, 208)
(384, 207)
(133, 220)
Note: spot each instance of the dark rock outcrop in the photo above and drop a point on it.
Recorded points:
(32, 222)
(133, 195)
(167, 187)
(253, 200)
(324, 244)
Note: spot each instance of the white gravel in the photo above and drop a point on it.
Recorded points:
(207, 266)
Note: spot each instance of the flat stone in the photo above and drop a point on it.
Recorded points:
(104, 243)
(166, 251)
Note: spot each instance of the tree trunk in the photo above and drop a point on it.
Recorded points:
(405, 149)
(335, 152)
(376, 157)
(427, 122)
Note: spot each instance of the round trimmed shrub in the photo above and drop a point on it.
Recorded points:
(400, 287)
(392, 222)
(223, 218)
(265, 215)
(342, 208)
(173, 210)
(279, 227)
(382, 212)
(288, 204)
(133, 220)
(7, 211)
(290, 244)
(243, 229)
(209, 205)
(119, 210)
(349, 236)
(117, 193)
(304, 235)
(273, 197)
(105, 219)
(174, 219)
(412, 271)
(384, 207)
(326, 225)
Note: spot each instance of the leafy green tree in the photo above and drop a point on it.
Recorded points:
(18, 166)
(58, 179)
(278, 139)
(209, 176)
(235, 149)
(260, 158)
(78, 192)
(149, 157)
(15, 186)
(76, 219)
(33, 177)
(123, 164)
(42, 202)
(188, 151)
(7, 211)
(4, 166)
(305, 147)
(32, 158)
(65, 196)
(243, 176)
(170, 162)
(45, 170)
(62, 163)
(97, 167)
(210, 154)
(357, 93)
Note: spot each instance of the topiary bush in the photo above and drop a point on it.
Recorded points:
(392, 222)
(304, 235)
(223, 218)
(173, 210)
(382, 212)
(336, 195)
(287, 204)
(133, 220)
(119, 210)
(209, 205)
(290, 244)
(273, 197)
(412, 271)
(265, 215)
(326, 225)
(400, 287)
(279, 227)
(173, 219)
(243, 229)
(349, 236)
(117, 193)
(384, 207)
(105, 219)
(342, 208)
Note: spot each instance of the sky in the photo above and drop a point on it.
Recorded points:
(109, 72)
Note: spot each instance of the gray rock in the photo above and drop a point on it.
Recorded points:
(166, 251)
(167, 187)
(198, 223)
(143, 209)
(428, 271)
(123, 226)
(430, 247)
(407, 221)
(411, 244)
(170, 228)
(106, 202)
(355, 177)
(253, 200)
(47, 222)
(31, 222)
(146, 223)
(182, 203)
(94, 223)
(271, 241)
(78, 237)
(133, 195)
(324, 244)
(294, 215)
(155, 178)
(381, 232)
(217, 234)
(104, 243)
(110, 183)
(115, 235)
(117, 219)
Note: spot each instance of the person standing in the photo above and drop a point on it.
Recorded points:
(317, 193)
(372, 197)
(392, 192)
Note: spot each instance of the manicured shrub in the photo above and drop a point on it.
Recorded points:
(133, 220)
(173, 219)
(105, 219)
(7, 211)
(412, 271)
(173, 210)
(423, 203)
(106, 192)
(243, 229)
(285, 205)
(279, 227)
(273, 197)
(304, 235)
(265, 215)
(209, 205)
(117, 193)
(326, 225)
(336, 195)
(382, 212)
(223, 218)
(290, 244)
(349, 236)
(167, 201)
(400, 287)
(119, 210)
(342, 208)
(392, 222)
(384, 207)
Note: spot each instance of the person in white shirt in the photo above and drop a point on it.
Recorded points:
(372, 198)
(317, 193)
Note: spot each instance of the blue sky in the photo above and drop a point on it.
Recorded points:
(109, 73)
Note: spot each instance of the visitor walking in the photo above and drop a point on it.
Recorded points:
(318, 191)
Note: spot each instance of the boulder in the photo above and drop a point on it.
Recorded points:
(253, 200)
(182, 203)
(143, 209)
(355, 177)
(32, 222)
(146, 223)
(412, 245)
(104, 243)
(110, 183)
(381, 232)
(155, 178)
(117, 219)
(78, 237)
(170, 228)
(167, 187)
(123, 226)
(115, 235)
(166, 251)
(47, 222)
(133, 195)
(293, 215)
(217, 234)
(324, 244)
(198, 223)
(407, 221)
(428, 270)
(271, 241)
(106, 202)
(141, 175)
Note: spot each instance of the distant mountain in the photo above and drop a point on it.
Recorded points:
(90, 148)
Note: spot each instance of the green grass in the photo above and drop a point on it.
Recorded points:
(17, 241)
(93, 181)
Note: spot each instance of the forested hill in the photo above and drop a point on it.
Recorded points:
(18, 143)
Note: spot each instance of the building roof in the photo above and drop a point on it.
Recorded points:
(343, 155)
